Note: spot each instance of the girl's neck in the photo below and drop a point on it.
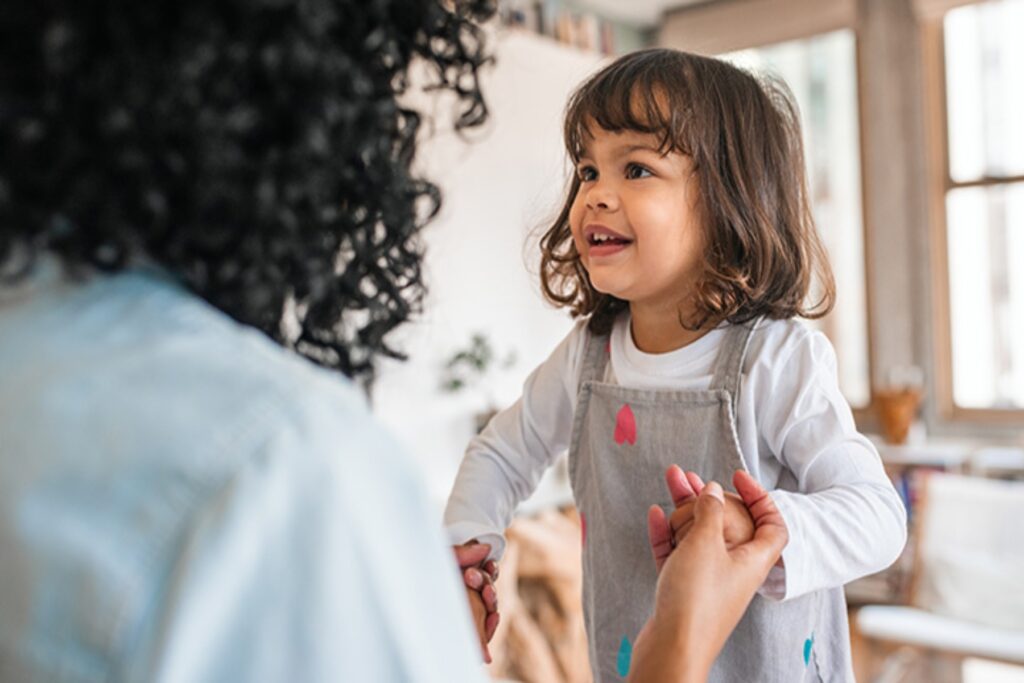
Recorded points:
(659, 330)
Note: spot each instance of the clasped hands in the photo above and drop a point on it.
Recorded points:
(738, 524)
(731, 542)
(479, 575)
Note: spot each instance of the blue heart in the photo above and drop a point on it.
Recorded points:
(808, 645)
(625, 656)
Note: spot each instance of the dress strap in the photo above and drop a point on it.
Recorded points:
(595, 357)
(729, 363)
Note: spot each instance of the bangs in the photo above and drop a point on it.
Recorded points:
(647, 92)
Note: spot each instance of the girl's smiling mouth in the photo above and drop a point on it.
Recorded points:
(603, 241)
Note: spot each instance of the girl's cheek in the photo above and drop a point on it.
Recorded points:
(580, 247)
(576, 229)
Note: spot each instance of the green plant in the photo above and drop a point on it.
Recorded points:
(470, 366)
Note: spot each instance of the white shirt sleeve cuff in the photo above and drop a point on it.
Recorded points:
(463, 532)
(784, 578)
(774, 586)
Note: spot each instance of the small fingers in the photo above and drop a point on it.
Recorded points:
(660, 535)
(758, 501)
(696, 483)
(678, 486)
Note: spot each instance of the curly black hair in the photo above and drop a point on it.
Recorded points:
(258, 150)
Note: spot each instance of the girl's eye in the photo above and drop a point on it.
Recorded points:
(587, 173)
(636, 171)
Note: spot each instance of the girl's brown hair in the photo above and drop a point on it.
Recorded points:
(743, 134)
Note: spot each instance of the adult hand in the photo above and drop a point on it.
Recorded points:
(479, 575)
(704, 588)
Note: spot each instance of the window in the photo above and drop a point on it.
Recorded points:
(822, 73)
(981, 198)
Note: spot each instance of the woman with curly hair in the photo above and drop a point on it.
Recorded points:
(255, 151)
(186, 187)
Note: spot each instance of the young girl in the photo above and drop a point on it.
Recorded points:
(686, 247)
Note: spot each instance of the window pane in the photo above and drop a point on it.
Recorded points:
(985, 97)
(822, 73)
(986, 282)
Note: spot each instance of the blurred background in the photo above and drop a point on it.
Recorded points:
(913, 115)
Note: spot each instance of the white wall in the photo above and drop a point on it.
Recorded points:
(500, 188)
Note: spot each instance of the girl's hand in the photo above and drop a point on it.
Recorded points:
(738, 527)
(479, 575)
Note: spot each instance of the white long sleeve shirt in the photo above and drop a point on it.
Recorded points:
(844, 517)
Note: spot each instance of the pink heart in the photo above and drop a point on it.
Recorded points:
(625, 426)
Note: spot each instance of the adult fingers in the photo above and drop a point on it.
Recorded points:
(759, 554)
(660, 535)
(709, 513)
(679, 533)
(678, 486)
(491, 625)
(770, 539)
(479, 615)
(471, 554)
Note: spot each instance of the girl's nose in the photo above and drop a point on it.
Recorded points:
(601, 196)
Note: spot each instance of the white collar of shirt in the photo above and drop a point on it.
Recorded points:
(693, 360)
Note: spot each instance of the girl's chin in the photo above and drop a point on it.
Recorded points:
(611, 284)
(610, 291)
(602, 289)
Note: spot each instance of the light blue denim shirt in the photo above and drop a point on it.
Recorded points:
(183, 500)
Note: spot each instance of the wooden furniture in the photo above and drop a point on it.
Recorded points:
(541, 638)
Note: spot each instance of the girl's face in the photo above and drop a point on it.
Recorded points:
(635, 219)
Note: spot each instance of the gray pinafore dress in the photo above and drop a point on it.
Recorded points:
(623, 440)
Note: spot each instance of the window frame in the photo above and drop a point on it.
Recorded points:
(866, 416)
(939, 184)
